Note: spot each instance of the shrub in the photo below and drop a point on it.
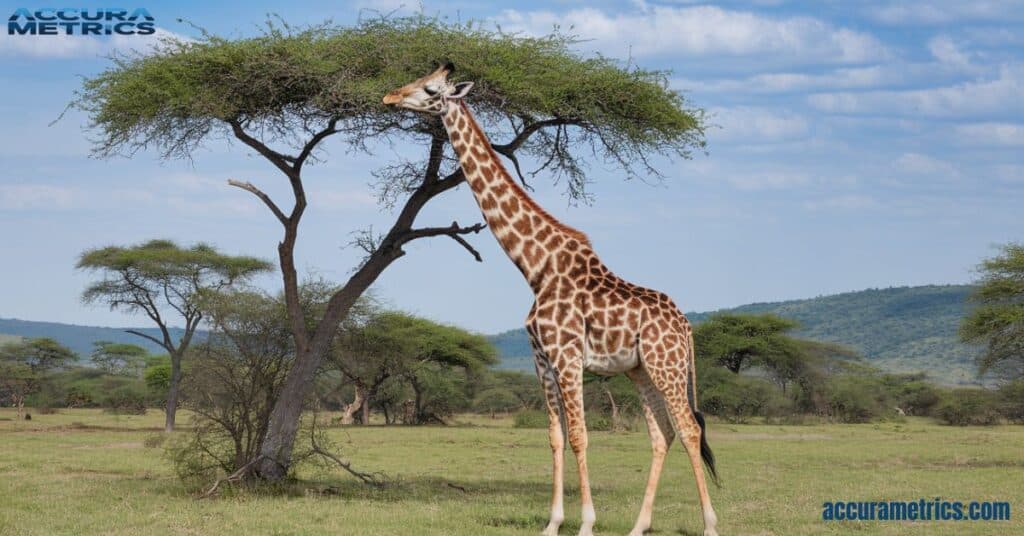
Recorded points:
(125, 399)
(855, 399)
(965, 407)
(531, 418)
(1011, 401)
(917, 398)
(496, 400)
(739, 398)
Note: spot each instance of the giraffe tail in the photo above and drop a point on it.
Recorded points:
(705, 450)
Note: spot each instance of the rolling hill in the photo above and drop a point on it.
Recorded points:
(79, 338)
(902, 329)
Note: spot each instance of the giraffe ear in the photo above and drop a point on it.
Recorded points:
(461, 90)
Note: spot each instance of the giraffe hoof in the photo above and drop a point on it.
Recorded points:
(550, 531)
(710, 532)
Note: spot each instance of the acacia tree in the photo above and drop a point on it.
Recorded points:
(736, 341)
(24, 365)
(119, 358)
(282, 93)
(166, 283)
(997, 322)
(394, 347)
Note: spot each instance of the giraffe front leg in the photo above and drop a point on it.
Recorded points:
(549, 382)
(557, 441)
(571, 383)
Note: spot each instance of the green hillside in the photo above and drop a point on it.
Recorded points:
(78, 338)
(904, 329)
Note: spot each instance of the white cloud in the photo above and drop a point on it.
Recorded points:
(756, 125)
(922, 164)
(844, 78)
(843, 202)
(1009, 173)
(35, 196)
(991, 134)
(767, 180)
(1000, 95)
(704, 31)
(339, 200)
(946, 51)
(931, 12)
(79, 46)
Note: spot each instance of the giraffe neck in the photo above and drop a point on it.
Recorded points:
(530, 236)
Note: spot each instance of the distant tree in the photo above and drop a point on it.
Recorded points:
(119, 358)
(24, 366)
(283, 93)
(397, 346)
(735, 341)
(998, 320)
(166, 283)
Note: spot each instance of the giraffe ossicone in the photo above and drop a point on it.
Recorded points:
(584, 317)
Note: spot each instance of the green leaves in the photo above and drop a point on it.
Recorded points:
(998, 320)
(286, 81)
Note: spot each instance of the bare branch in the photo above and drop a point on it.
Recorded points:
(453, 231)
(529, 129)
(276, 158)
(249, 187)
(233, 477)
(372, 479)
(149, 337)
(312, 143)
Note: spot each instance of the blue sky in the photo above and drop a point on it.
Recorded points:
(858, 144)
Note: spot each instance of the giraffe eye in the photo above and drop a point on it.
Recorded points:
(430, 91)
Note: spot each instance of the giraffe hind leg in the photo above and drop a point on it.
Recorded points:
(662, 434)
(670, 376)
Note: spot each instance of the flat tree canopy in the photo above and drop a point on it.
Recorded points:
(289, 79)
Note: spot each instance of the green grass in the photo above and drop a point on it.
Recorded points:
(84, 472)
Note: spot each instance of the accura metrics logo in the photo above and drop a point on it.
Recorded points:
(81, 21)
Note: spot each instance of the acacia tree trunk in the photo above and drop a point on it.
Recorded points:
(348, 415)
(173, 392)
(365, 411)
(615, 409)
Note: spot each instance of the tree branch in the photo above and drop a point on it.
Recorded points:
(144, 336)
(529, 130)
(276, 158)
(453, 231)
(312, 143)
(508, 150)
(248, 186)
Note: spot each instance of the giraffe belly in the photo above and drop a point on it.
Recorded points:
(608, 362)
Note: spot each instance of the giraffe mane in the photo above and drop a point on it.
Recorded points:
(521, 193)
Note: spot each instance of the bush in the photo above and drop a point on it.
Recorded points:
(917, 398)
(125, 399)
(739, 398)
(1011, 401)
(496, 400)
(531, 418)
(855, 399)
(965, 407)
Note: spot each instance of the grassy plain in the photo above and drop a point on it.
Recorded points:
(84, 472)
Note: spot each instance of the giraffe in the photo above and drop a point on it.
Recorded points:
(583, 317)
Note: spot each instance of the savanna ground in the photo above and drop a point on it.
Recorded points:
(85, 472)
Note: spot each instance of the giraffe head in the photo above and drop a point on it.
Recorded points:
(430, 93)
